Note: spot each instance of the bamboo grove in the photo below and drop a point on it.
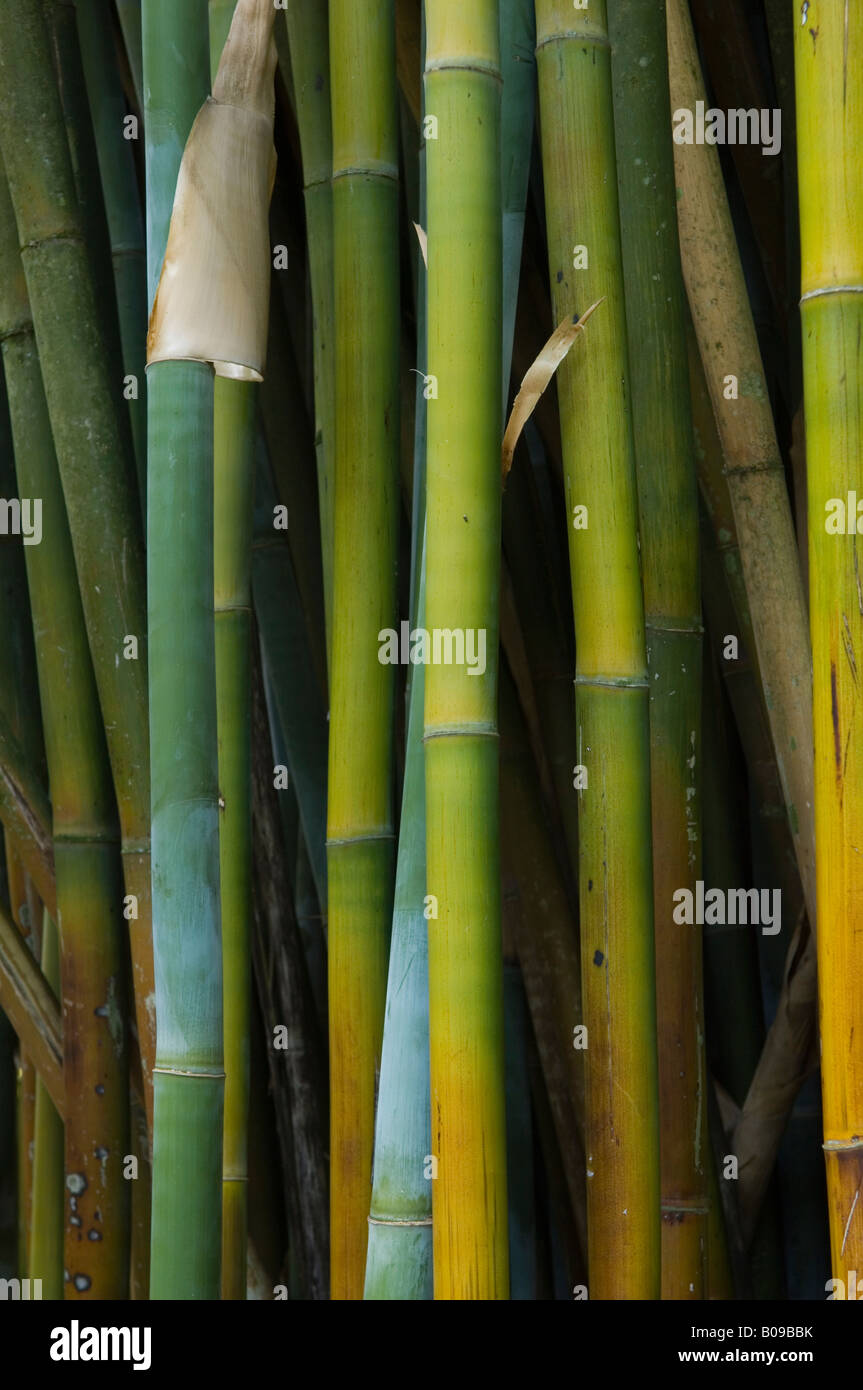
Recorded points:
(432, 630)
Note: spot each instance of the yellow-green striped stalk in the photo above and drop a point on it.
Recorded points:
(829, 86)
(189, 1076)
(668, 524)
(89, 889)
(611, 738)
(46, 1237)
(308, 41)
(233, 496)
(462, 93)
(359, 812)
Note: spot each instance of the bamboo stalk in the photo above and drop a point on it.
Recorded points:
(399, 1263)
(89, 896)
(668, 527)
(46, 1240)
(32, 1009)
(462, 90)
(233, 470)
(122, 208)
(359, 811)
(95, 470)
(129, 15)
(309, 48)
(188, 1076)
(830, 116)
(754, 471)
(612, 735)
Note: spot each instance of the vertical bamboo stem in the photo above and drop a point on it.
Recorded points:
(359, 813)
(668, 526)
(462, 93)
(828, 63)
(612, 734)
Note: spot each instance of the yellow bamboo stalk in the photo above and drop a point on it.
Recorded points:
(828, 65)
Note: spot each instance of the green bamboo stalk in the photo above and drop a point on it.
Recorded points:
(359, 811)
(62, 31)
(233, 469)
(188, 1076)
(612, 736)
(129, 15)
(399, 1262)
(462, 90)
(308, 40)
(830, 117)
(46, 1240)
(122, 208)
(234, 431)
(95, 470)
(668, 527)
(89, 894)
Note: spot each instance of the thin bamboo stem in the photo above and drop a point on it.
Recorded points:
(359, 811)
(309, 49)
(462, 91)
(612, 721)
(668, 529)
(830, 116)
(95, 469)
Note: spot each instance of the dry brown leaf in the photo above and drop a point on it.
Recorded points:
(213, 297)
(424, 243)
(536, 378)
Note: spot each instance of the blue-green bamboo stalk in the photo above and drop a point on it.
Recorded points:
(189, 1076)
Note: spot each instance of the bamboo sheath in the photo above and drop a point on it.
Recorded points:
(668, 526)
(611, 737)
(462, 90)
(360, 847)
(753, 467)
(830, 115)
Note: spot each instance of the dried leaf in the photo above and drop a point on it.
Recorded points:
(424, 243)
(213, 297)
(536, 379)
